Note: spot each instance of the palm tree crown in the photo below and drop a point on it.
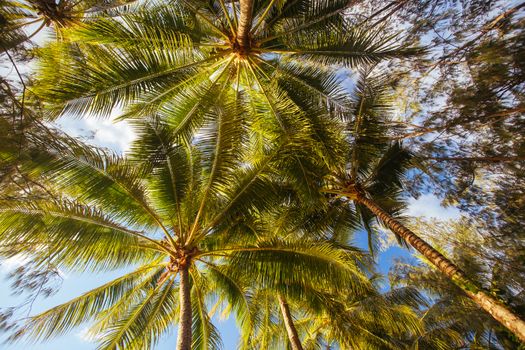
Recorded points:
(274, 58)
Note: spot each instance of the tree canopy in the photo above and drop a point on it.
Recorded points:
(279, 146)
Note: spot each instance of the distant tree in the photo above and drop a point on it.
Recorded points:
(462, 108)
(498, 270)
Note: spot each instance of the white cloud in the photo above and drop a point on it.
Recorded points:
(84, 335)
(429, 205)
(100, 132)
(113, 135)
(9, 264)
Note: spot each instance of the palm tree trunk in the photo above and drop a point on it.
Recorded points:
(496, 309)
(245, 23)
(184, 336)
(288, 322)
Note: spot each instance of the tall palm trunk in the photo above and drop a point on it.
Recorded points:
(245, 23)
(184, 334)
(288, 322)
(497, 310)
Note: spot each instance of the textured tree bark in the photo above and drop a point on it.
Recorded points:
(500, 313)
(245, 23)
(496, 309)
(184, 335)
(290, 327)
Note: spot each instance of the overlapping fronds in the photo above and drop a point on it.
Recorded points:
(277, 263)
(143, 321)
(372, 107)
(96, 79)
(370, 320)
(292, 19)
(268, 330)
(175, 59)
(331, 315)
(234, 291)
(72, 235)
(375, 164)
(95, 176)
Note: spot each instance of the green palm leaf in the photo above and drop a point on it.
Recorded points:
(144, 321)
(73, 235)
(205, 334)
(64, 317)
(278, 263)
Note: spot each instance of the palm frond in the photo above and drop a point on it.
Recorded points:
(277, 263)
(96, 79)
(157, 27)
(73, 236)
(205, 334)
(144, 321)
(297, 17)
(112, 183)
(349, 47)
(62, 318)
(235, 293)
(171, 172)
(390, 169)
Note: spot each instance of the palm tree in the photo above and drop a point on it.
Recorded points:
(186, 214)
(273, 308)
(338, 317)
(296, 223)
(372, 180)
(451, 307)
(371, 320)
(277, 57)
(20, 15)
